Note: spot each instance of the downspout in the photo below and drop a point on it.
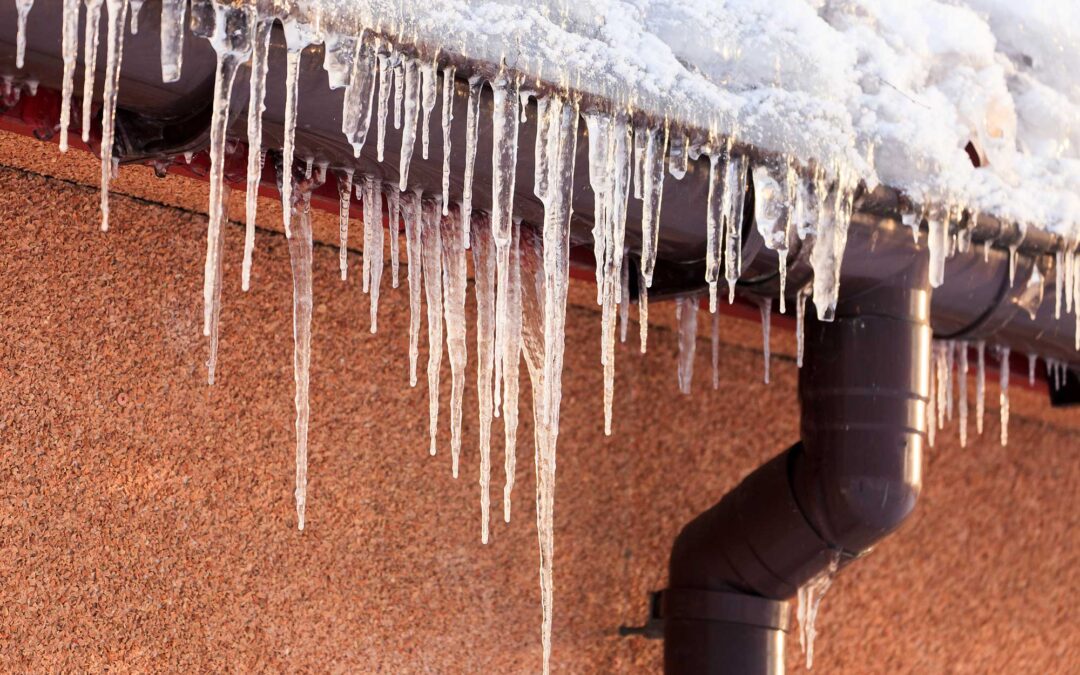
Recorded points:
(852, 479)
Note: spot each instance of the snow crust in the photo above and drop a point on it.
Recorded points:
(892, 91)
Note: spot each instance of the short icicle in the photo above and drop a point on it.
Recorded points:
(429, 87)
(345, 189)
(91, 35)
(22, 8)
(652, 193)
(393, 204)
(686, 309)
(980, 385)
(800, 322)
(385, 75)
(454, 271)
(735, 185)
(643, 314)
(412, 115)
(715, 350)
(173, 27)
(373, 246)
(716, 214)
(431, 237)
(1003, 353)
(765, 305)
(961, 377)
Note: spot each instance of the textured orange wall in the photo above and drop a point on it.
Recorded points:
(146, 519)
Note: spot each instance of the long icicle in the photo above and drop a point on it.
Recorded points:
(504, 169)
(92, 32)
(412, 114)
(300, 259)
(454, 271)
(483, 254)
(414, 229)
(393, 203)
(557, 210)
(447, 120)
(117, 16)
(472, 121)
(652, 196)
(385, 75)
(215, 320)
(70, 48)
(296, 39)
(373, 246)
(256, 158)
(432, 250)
(345, 189)
(511, 363)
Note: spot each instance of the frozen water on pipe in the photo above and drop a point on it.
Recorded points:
(483, 254)
(432, 253)
(809, 603)
(1003, 353)
(686, 309)
(345, 189)
(414, 229)
(765, 305)
(172, 38)
(980, 385)
(91, 34)
(447, 120)
(429, 88)
(393, 203)
(472, 121)
(256, 158)
(454, 278)
(22, 8)
(70, 49)
(117, 13)
(716, 350)
(412, 115)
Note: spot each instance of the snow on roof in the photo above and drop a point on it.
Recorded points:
(891, 90)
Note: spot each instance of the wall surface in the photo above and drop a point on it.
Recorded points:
(147, 522)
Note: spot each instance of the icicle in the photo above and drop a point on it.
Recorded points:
(624, 300)
(215, 316)
(652, 192)
(219, 23)
(511, 363)
(503, 169)
(677, 156)
(256, 158)
(412, 113)
(980, 385)
(373, 246)
(300, 258)
(735, 182)
(385, 73)
(393, 202)
(483, 253)
(117, 14)
(22, 8)
(136, 7)
(942, 382)
(429, 87)
(833, 220)
(962, 352)
(309, 165)
(172, 38)
(414, 229)
(765, 306)
(345, 188)
(447, 120)
(296, 38)
(1059, 279)
(91, 33)
(432, 249)
(800, 322)
(70, 48)
(716, 350)
(1032, 360)
(454, 270)
(399, 88)
(359, 97)
(556, 250)
(686, 309)
(643, 313)
(640, 150)
(932, 403)
(472, 120)
(600, 179)
(949, 352)
(718, 208)
(1004, 397)
(809, 602)
(773, 201)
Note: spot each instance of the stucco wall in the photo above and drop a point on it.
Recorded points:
(146, 519)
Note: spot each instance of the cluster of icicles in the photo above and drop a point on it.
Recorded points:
(949, 368)
(520, 272)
